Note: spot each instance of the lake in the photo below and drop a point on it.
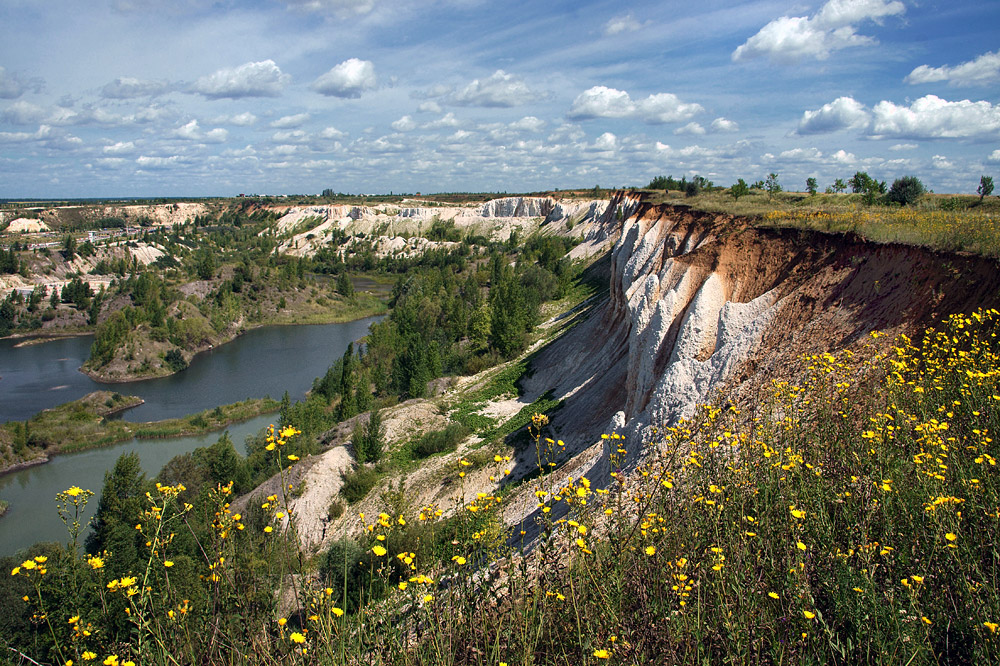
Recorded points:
(263, 362)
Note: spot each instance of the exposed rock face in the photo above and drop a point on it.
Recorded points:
(313, 226)
(701, 303)
(698, 304)
(517, 207)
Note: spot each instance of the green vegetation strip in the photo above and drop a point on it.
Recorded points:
(81, 425)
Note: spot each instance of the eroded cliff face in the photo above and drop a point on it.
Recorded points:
(705, 307)
(312, 227)
(700, 307)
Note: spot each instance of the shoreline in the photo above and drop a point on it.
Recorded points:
(136, 431)
(101, 378)
(25, 464)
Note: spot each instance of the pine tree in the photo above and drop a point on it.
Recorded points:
(118, 511)
(509, 315)
(348, 407)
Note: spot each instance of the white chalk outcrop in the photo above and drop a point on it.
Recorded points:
(686, 334)
(308, 228)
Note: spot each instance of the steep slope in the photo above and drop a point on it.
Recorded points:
(701, 303)
(700, 307)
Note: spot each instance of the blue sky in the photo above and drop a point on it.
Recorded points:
(202, 97)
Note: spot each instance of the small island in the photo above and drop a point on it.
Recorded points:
(83, 424)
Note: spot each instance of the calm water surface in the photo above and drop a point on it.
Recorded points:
(264, 362)
(31, 492)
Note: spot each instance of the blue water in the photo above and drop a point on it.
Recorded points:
(263, 362)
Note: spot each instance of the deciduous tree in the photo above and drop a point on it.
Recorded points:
(985, 188)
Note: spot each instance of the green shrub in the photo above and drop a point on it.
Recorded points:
(440, 441)
(335, 510)
(369, 439)
(350, 571)
(357, 482)
(175, 360)
(906, 190)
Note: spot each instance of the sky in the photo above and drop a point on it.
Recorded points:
(104, 98)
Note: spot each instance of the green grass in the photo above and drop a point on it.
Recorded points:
(938, 221)
(81, 424)
(850, 518)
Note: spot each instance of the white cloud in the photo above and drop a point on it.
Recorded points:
(606, 141)
(984, 70)
(339, 7)
(20, 137)
(620, 24)
(127, 88)
(942, 162)
(331, 133)
(841, 113)
(499, 90)
(252, 79)
(404, 124)
(725, 125)
(802, 155)
(192, 132)
(290, 136)
(26, 113)
(666, 108)
(994, 157)
(528, 124)
(151, 162)
(151, 114)
(692, 128)
(837, 13)
(903, 146)
(789, 39)
(290, 122)
(244, 119)
(931, 117)
(602, 102)
(247, 151)
(844, 157)
(348, 79)
(13, 86)
(429, 107)
(447, 120)
(23, 113)
(120, 148)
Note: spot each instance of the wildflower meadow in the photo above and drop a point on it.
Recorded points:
(850, 515)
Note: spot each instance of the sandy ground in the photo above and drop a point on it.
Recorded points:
(26, 226)
(322, 483)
